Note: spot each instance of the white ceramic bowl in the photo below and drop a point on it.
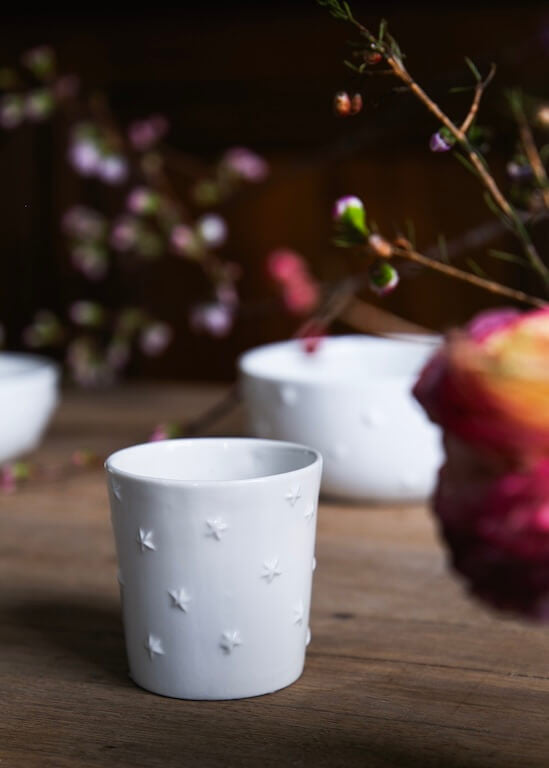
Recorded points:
(28, 396)
(215, 541)
(351, 400)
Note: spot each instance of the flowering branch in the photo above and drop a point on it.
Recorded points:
(381, 247)
(385, 47)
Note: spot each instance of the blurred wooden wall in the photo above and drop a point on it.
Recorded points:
(263, 76)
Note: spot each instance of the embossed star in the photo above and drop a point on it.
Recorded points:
(153, 646)
(309, 512)
(145, 539)
(230, 641)
(216, 528)
(116, 489)
(288, 395)
(180, 599)
(293, 495)
(372, 418)
(298, 613)
(270, 570)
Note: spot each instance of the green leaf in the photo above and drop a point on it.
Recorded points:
(461, 88)
(443, 248)
(476, 268)
(506, 256)
(410, 231)
(382, 30)
(466, 164)
(474, 70)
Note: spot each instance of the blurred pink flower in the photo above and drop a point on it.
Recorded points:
(39, 104)
(86, 313)
(155, 338)
(212, 230)
(213, 319)
(300, 292)
(84, 157)
(112, 169)
(83, 223)
(182, 239)
(90, 260)
(123, 235)
(245, 164)
(12, 111)
(142, 200)
(301, 295)
(143, 134)
(284, 265)
(496, 524)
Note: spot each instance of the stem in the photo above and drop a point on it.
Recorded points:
(467, 277)
(533, 155)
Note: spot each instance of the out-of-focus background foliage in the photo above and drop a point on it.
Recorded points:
(263, 75)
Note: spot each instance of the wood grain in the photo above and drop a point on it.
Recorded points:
(403, 669)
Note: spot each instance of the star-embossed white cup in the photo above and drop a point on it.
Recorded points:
(215, 542)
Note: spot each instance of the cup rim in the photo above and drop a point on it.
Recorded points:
(250, 364)
(202, 484)
(31, 365)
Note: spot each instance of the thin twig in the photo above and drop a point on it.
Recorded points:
(479, 90)
(532, 153)
(468, 277)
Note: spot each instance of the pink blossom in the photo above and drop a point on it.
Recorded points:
(212, 230)
(118, 354)
(83, 223)
(155, 338)
(301, 296)
(284, 265)
(123, 235)
(213, 319)
(84, 157)
(182, 239)
(86, 313)
(89, 260)
(112, 169)
(141, 200)
(144, 134)
(438, 144)
(12, 111)
(245, 164)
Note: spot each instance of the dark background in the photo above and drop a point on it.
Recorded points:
(263, 75)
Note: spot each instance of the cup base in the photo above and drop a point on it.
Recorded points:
(253, 692)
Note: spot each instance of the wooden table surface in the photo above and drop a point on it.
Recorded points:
(403, 669)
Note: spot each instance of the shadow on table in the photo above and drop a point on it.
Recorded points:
(89, 631)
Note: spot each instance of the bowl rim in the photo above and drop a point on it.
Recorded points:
(246, 369)
(210, 484)
(38, 364)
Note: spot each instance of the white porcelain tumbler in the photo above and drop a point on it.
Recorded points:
(215, 541)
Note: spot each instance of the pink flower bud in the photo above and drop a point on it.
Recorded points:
(356, 104)
(438, 144)
(283, 265)
(182, 239)
(342, 104)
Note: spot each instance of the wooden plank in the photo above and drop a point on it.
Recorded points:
(403, 668)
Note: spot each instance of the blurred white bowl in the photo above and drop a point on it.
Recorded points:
(351, 400)
(28, 396)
